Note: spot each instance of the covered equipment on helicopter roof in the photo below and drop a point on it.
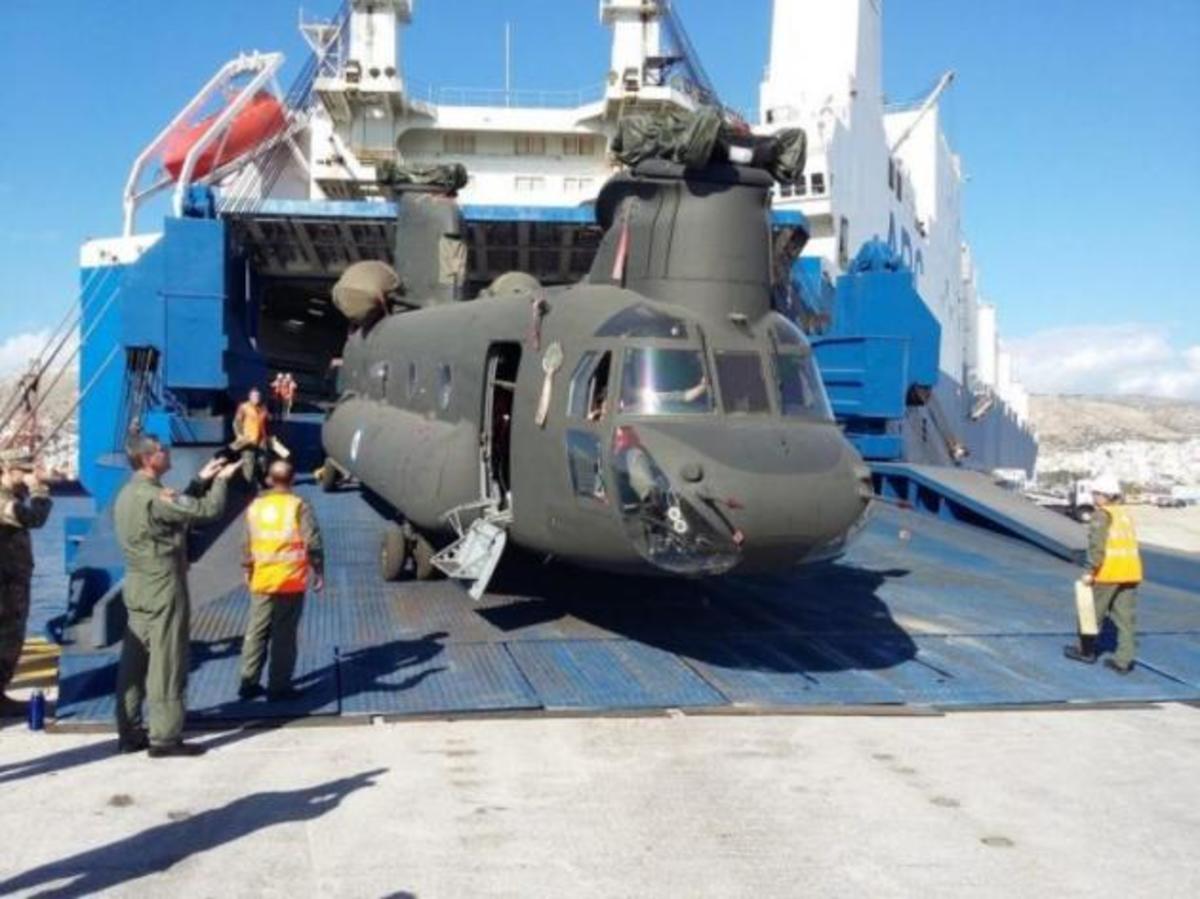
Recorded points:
(697, 139)
(449, 178)
(364, 290)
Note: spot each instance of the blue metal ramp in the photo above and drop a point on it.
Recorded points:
(920, 612)
(971, 497)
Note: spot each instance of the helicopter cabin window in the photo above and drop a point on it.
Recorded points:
(377, 381)
(588, 396)
(658, 381)
(411, 386)
(743, 390)
(641, 320)
(801, 392)
(445, 385)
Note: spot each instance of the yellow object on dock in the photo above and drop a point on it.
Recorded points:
(1085, 608)
(38, 667)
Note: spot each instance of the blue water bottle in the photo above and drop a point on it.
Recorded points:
(37, 711)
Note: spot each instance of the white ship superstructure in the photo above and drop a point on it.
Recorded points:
(872, 172)
(883, 172)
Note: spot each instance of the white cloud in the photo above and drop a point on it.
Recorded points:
(17, 351)
(1131, 359)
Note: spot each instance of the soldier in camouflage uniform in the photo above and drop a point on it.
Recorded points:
(24, 504)
(152, 524)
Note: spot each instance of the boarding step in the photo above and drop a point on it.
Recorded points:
(477, 551)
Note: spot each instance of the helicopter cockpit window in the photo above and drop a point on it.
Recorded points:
(642, 321)
(743, 390)
(584, 464)
(589, 386)
(664, 382)
(577, 399)
(787, 333)
(801, 391)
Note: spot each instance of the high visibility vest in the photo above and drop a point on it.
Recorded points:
(254, 423)
(1122, 563)
(277, 547)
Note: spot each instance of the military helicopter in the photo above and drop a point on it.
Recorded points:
(658, 416)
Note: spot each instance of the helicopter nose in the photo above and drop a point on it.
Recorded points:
(757, 497)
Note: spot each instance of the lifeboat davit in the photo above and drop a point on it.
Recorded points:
(260, 120)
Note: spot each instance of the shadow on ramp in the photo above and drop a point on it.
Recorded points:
(825, 620)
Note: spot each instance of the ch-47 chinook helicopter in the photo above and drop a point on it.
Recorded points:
(659, 416)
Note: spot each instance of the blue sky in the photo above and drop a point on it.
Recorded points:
(1078, 120)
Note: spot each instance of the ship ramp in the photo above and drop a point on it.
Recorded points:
(973, 498)
(922, 614)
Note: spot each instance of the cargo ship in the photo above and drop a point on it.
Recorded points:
(274, 191)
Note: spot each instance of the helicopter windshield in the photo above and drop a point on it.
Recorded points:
(658, 381)
(801, 392)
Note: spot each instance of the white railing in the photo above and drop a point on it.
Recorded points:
(262, 68)
(529, 98)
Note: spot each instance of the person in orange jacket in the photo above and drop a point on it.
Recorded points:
(251, 432)
(283, 557)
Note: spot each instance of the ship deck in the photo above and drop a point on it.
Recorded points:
(920, 615)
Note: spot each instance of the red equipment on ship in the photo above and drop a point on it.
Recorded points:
(260, 120)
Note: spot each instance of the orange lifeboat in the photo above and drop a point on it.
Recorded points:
(260, 120)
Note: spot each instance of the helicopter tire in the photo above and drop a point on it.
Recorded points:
(394, 553)
(422, 555)
(328, 480)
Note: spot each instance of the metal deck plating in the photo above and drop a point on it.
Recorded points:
(920, 614)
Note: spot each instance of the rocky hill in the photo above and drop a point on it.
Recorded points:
(1146, 441)
(1082, 422)
(62, 451)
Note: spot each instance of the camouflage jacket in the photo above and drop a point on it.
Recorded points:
(20, 513)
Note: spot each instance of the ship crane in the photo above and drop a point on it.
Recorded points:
(943, 83)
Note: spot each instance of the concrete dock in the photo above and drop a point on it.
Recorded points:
(1070, 803)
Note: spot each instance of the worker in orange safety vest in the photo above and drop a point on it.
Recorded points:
(250, 432)
(1114, 573)
(283, 557)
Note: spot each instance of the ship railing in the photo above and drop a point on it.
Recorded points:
(528, 98)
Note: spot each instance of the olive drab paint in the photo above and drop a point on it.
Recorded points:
(659, 416)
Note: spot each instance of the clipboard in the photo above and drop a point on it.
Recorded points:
(1085, 609)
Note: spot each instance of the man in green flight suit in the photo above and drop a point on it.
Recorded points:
(152, 524)
(24, 504)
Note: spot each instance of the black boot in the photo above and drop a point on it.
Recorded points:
(175, 750)
(1083, 651)
(1116, 666)
(138, 741)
